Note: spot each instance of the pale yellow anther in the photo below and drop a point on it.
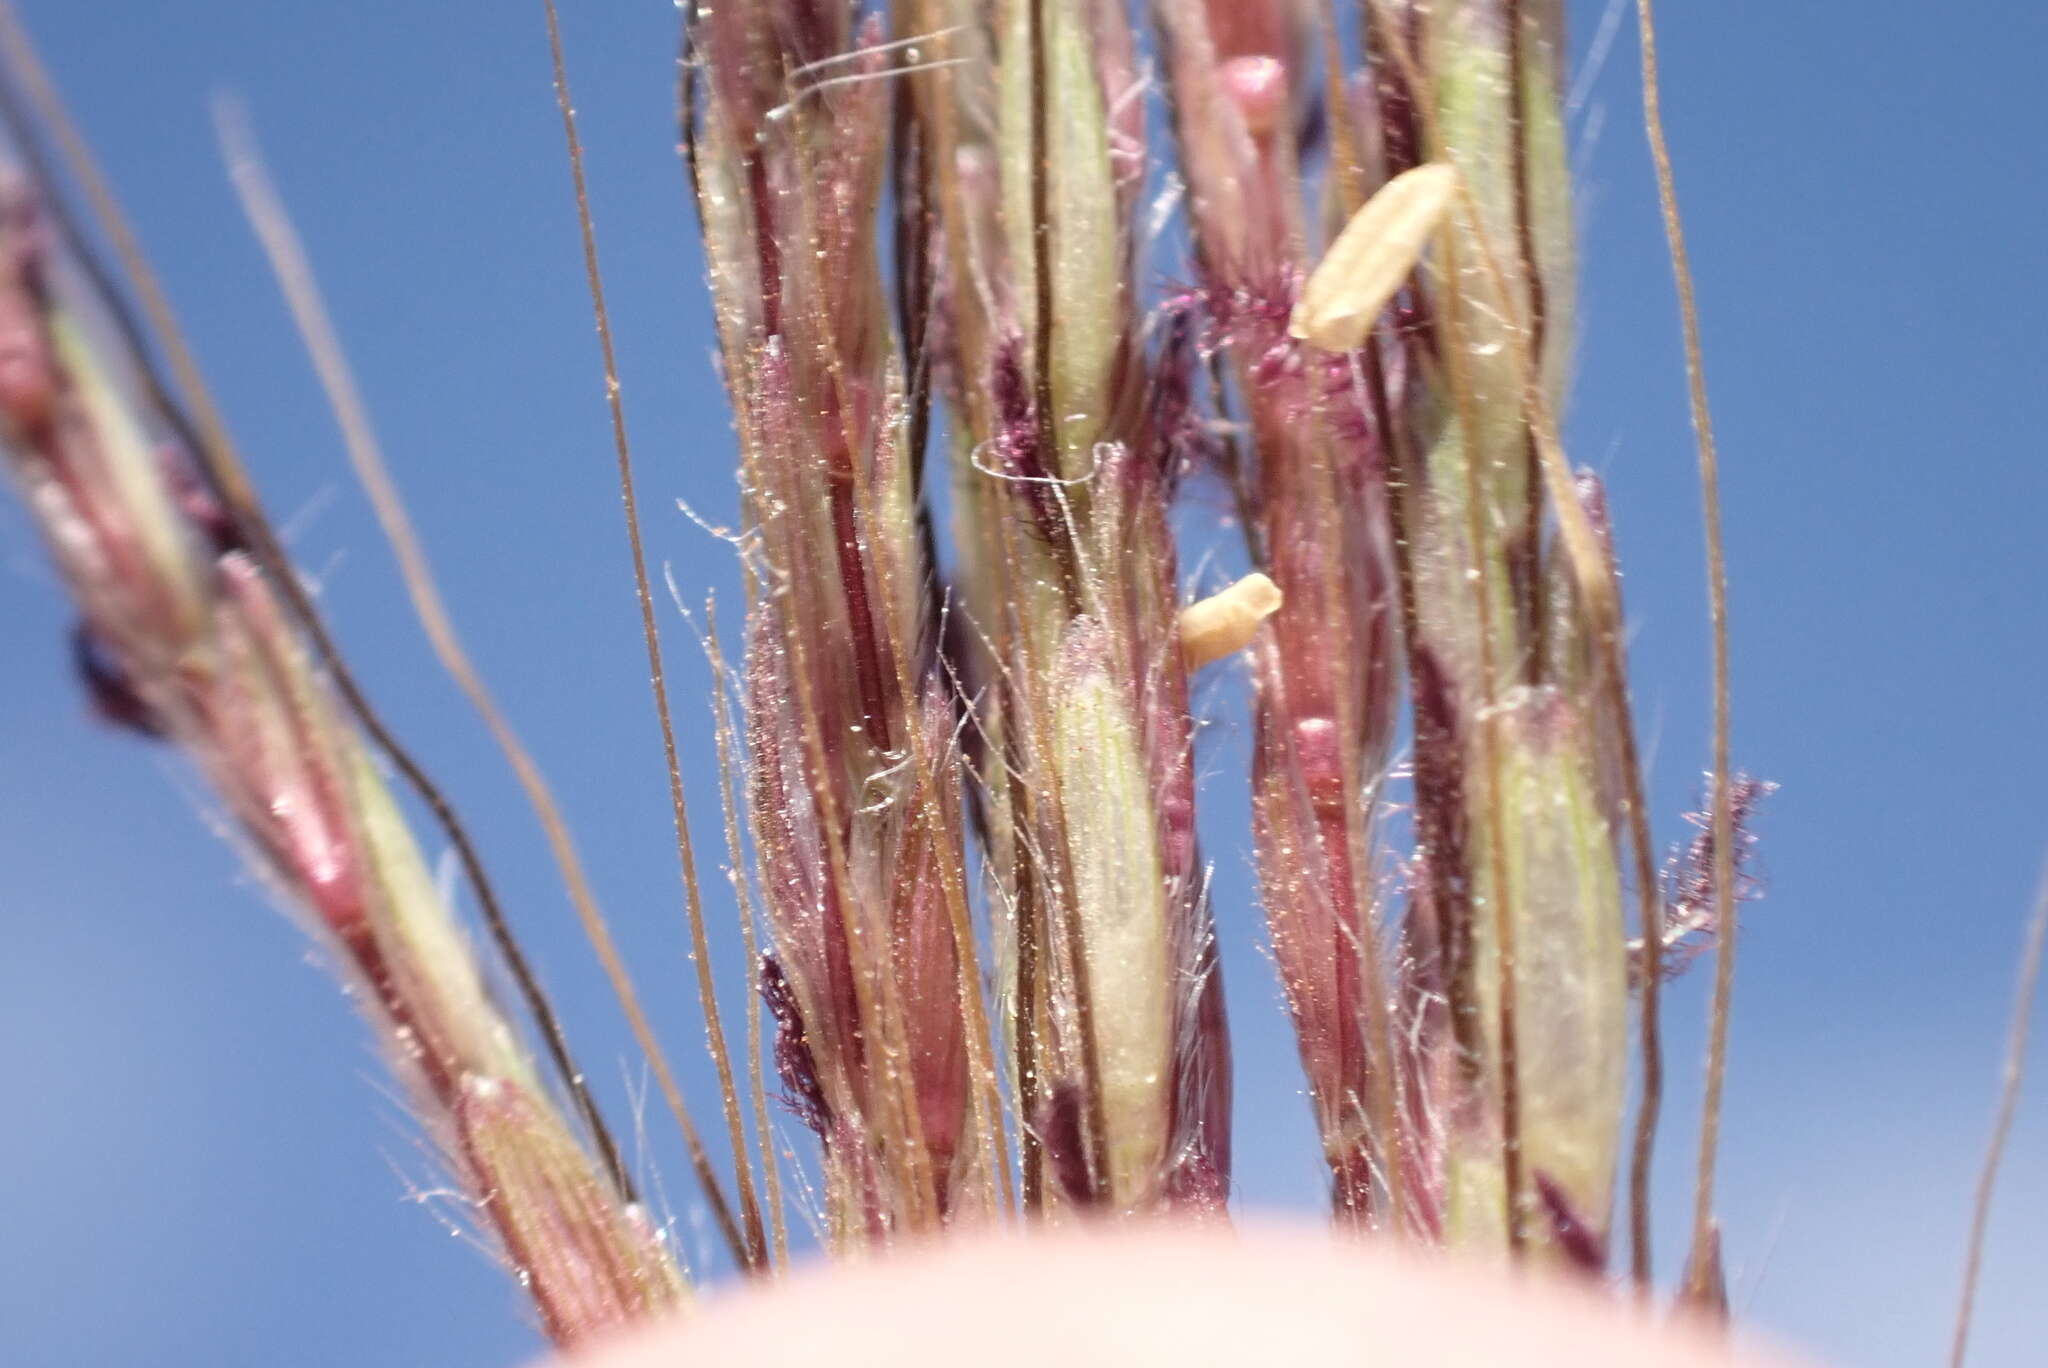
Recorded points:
(1225, 622)
(1372, 257)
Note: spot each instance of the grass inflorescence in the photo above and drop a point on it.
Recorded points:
(959, 746)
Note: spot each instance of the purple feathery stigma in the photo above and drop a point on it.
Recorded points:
(802, 1093)
(109, 686)
(1066, 1150)
(1584, 1246)
(1689, 878)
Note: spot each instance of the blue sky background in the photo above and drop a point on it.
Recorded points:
(198, 1163)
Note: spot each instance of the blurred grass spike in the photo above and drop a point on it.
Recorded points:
(190, 630)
